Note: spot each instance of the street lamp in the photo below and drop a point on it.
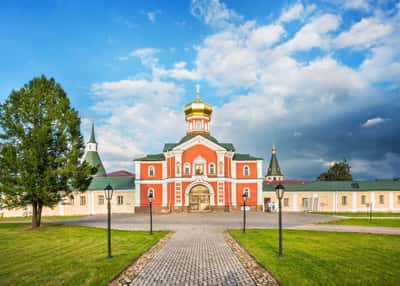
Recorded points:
(280, 190)
(108, 193)
(150, 197)
(244, 198)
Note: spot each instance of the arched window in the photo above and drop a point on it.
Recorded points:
(178, 168)
(151, 171)
(187, 169)
(246, 171)
(211, 168)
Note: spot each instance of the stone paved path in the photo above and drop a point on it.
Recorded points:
(197, 256)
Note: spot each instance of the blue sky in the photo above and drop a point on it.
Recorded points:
(320, 79)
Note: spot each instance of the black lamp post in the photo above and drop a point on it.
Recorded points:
(108, 193)
(150, 197)
(280, 190)
(244, 198)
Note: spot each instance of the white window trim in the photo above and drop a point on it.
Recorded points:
(118, 196)
(209, 169)
(151, 168)
(186, 165)
(244, 171)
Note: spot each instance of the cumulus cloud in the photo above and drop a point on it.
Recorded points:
(270, 91)
(374, 121)
(152, 15)
(214, 13)
(364, 34)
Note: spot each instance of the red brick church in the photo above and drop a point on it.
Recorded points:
(198, 173)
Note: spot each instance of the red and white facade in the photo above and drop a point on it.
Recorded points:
(198, 173)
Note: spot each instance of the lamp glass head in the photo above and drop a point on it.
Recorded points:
(280, 190)
(150, 196)
(108, 192)
(245, 196)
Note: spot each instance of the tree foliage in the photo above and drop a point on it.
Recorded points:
(42, 147)
(339, 171)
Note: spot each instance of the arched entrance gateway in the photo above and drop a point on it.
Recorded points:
(199, 199)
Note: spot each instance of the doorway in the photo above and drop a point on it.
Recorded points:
(199, 199)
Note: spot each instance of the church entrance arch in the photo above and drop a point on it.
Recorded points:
(199, 199)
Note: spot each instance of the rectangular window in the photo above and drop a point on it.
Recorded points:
(187, 169)
(120, 200)
(101, 200)
(83, 200)
(286, 202)
(344, 200)
(363, 199)
(381, 199)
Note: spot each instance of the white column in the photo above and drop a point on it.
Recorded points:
(164, 194)
(373, 200)
(91, 203)
(259, 169)
(335, 202)
(233, 193)
(354, 202)
(62, 211)
(137, 194)
(391, 201)
(259, 193)
(295, 201)
(314, 196)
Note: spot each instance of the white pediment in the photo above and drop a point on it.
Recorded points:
(196, 141)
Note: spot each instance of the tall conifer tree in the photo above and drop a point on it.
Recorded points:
(41, 148)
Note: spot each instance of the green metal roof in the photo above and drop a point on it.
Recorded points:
(273, 169)
(118, 183)
(170, 146)
(330, 186)
(244, 157)
(93, 159)
(152, 157)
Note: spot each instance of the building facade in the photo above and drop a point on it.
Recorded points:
(198, 173)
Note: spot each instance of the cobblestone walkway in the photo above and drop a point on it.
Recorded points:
(196, 256)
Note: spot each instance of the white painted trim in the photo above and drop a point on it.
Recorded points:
(195, 183)
(233, 189)
(259, 194)
(209, 179)
(137, 169)
(354, 202)
(335, 202)
(223, 193)
(391, 200)
(164, 195)
(259, 170)
(295, 201)
(137, 194)
(248, 169)
(91, 203)
(373, 200)
(198, 140)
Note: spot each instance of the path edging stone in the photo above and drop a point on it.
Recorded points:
(257, 272)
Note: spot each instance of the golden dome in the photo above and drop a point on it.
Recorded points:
(198, 108)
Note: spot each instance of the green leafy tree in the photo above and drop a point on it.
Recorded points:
(339, 171)
(41, 148)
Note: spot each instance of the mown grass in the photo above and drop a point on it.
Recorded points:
(29, 218)
(367, 222)
(361, 214)
(326, 258)
(66, 255)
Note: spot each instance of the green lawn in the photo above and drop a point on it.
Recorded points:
(326, 258)
(360, 214)
(367, 222)
(66, 255)
(29, 218)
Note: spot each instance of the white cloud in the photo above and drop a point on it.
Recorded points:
(147, 56)
(265, 36)
(314, 34)
(214, 13)
(152, 15)
(356, 4)
(293, 12)
(179, 72)
(364, 34)
(374, 121)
